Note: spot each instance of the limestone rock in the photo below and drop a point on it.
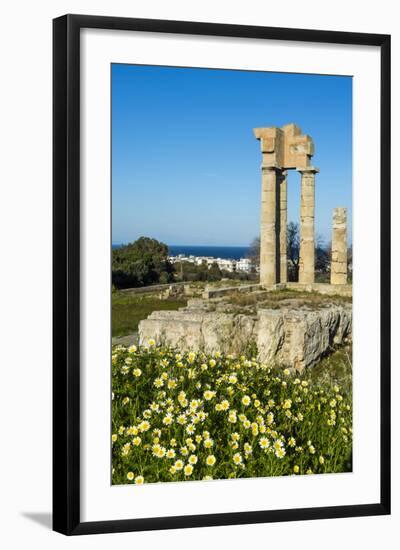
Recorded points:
(293, 337)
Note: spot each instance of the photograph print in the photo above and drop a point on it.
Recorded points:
(231, 274)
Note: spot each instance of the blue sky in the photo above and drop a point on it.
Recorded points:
(185, 163)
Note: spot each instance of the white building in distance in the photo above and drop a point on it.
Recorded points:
(222, 263)
(225, 264)
(244, 264)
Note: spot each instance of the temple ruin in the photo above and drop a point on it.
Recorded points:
(295, 330)
(286, 149)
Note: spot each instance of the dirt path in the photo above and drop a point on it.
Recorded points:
(127, 340)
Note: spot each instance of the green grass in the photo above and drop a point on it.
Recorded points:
(272, 299)
(129, 310)
(335, 368)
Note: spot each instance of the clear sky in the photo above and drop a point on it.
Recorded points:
(185, 163)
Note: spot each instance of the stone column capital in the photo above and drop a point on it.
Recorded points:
(308, 170)
(340, 212)
(268, 167)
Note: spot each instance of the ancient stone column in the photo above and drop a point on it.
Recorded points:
(283, 227)
(339, 247)
(268, 237)
(283, 148)
(307, 231)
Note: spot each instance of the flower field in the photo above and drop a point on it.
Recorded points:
(187, 416)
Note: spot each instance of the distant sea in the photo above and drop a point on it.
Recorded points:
(226, 252)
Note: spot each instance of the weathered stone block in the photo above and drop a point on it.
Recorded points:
(297, 338)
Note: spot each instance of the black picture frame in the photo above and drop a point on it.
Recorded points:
(66, 273)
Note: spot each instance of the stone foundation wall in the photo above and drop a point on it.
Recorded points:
(296, 338)
(323, 288)
(210, 293)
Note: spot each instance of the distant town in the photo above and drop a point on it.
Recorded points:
(244, 265)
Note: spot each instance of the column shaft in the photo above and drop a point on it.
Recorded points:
(283, 227)
(339, 247)
(268, 237)
(307, 230)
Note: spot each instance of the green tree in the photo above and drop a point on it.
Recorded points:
(322, 256)
(214, 273)
(254, 252)
(293, 250)
(141, 263)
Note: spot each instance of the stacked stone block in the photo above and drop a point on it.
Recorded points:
(339, 247)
